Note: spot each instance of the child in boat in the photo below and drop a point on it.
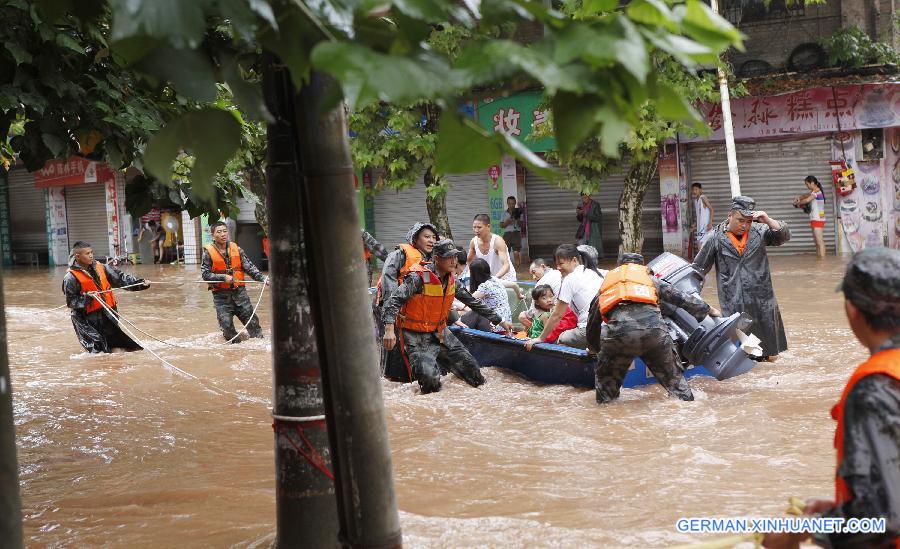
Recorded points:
(533, 319)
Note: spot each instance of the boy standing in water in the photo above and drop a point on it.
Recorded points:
(867, 438)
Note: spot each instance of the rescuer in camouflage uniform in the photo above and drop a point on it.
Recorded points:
(427, 352)
(231, 301)
(635, 329)
(372, 247)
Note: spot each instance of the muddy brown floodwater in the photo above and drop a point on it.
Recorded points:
(118, 451)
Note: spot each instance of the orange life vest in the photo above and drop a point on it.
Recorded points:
(219, 266)
(88, 285)
(413, 258)
(628, 282)
(885, 363)
(427, 311)
(366, 253)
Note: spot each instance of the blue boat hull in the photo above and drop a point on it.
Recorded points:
(548, 363)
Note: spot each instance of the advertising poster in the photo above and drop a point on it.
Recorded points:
(57, 228)
(112, 216)
(892, 184)
(495, 197)
(861, 212)
(670, 202)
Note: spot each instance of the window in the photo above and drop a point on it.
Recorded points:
(740, 12)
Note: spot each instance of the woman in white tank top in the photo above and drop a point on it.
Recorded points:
(493, 258)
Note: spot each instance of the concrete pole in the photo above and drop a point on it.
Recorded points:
(306, 510)
(341, 306)
(727, 126)
(10, 503)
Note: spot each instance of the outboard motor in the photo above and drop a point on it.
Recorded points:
(713, 343)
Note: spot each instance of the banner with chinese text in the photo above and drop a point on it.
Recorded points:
(516, 116)
(814, 110)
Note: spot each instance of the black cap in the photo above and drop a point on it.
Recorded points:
(743, 204)
(872, 281)
(444, 248)
(631, 258)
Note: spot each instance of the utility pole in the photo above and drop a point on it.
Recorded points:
(341, 304)
(322, 326)
(10, 504)
(306, 510)
(727, 126)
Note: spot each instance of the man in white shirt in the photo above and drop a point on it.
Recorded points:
(491, 248)
(512, 233)
(703, 214)
(545, 274)
(579, 287)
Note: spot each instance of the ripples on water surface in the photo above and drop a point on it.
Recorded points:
(117, 450)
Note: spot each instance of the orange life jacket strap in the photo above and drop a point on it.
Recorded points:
(885, 363)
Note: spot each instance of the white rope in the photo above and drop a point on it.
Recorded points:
(50, 310)
(295, 419)
(216, 390)
(141, 343)
(119, 316)
(258, 301)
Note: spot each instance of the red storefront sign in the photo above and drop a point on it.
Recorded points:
(75, 170)
(816, 110)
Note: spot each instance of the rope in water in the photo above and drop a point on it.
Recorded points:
(151, 282)
(215, 389)
(252, 316)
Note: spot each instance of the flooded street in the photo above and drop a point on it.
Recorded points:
(117, 450)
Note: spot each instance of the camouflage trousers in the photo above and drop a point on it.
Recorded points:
(427, 356)
(235, 303)
(621, 342)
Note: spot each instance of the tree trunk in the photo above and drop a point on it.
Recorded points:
(306, 511)
(631, 203)
(436, 202)
(10, 503)
(256, 180)
(367, 504)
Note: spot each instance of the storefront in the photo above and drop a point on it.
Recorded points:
(396, 211)
(64, 202)
(783, 138)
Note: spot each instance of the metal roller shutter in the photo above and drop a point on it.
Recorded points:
(552, 221)
(27, 214)
(772, 173)
(397, 211)
(86, 216)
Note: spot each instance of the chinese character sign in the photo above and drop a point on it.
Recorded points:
(515, 116)
(808, 111)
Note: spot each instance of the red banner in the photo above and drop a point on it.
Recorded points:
(75, 170)
(815, 110)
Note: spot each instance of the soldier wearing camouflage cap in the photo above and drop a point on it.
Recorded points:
(737, 248)
(629, 303)
(867, 438)
(419, 309)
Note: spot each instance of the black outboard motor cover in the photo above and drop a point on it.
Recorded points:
(712, 343)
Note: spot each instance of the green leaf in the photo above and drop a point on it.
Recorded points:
(432, 11)
(671, 105)
(573, 119)
(67, 41)
(613, 131)
(19, 54)
(631, 52)
(498, 59)
(212, 136)
(652, 12)
(367, 76)
(684, 50)
(247, 95)
(462, 148)
(181, 23)
(596, 7)
(264, 10)
(56, 145)
(708, 27)
(292, 41)
(189, 72)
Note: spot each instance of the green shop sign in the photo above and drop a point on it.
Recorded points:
(516, 116)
